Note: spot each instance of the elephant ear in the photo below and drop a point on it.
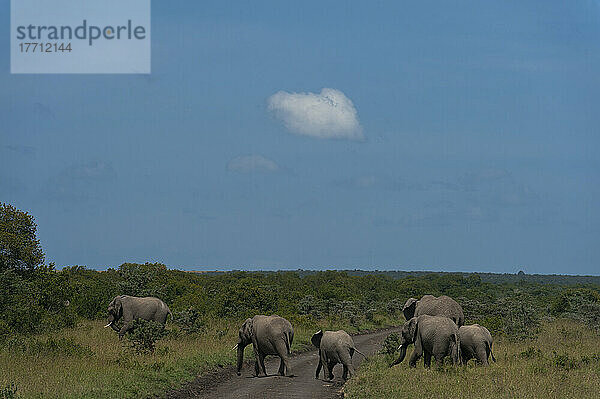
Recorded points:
(118, 304)
(246, 330)
(316, 338)
(409, 308)
(412, 328)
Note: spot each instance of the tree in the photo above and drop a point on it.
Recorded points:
(20, 249)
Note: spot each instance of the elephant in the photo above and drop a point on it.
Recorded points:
(432, 335)
(269, 335)
(430, 305)
(334, 347)
(476, 343)
(131, 308)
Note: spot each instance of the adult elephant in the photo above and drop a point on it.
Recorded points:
(334, 347)
(435, 336)
(130, 308)
(430, 305)
(476, 343)
(269, 335)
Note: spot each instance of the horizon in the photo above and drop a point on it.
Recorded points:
(312, 134)
(259, 270)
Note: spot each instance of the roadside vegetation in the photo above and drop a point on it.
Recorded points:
(53, 344)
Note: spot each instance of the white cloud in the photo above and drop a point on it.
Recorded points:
(327, 115)
(252, 163)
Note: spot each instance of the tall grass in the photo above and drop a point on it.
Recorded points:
(89, 361)
(562, 362)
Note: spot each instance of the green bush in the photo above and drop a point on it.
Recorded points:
(582, 304)
(515, 315)
(144, 335)
(8, 391)
(565, 362)
(189, 321)
(531, 353)
(390, 344)
(148, 279)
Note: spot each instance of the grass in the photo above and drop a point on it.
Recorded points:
(563, 362)
(89, 361)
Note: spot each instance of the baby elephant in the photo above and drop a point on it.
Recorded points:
(334, 347)
(435, 336)
(475, 343)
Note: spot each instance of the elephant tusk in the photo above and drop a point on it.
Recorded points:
(234, 347)
(400, 347)
(108, 325)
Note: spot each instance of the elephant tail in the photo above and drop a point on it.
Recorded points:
(455, 351)
(489, 348)
(356, 350)
(288, 337)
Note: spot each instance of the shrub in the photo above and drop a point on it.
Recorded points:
(390, 344)
(144, 335)
(309, 305)
(582, 304)
(246, 297)
(521, 321)
(9, 391)
(516, 315)
(564, 362)
(531, 353)
(189, 321)
(148, 279)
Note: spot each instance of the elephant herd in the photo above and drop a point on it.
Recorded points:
(435, 325)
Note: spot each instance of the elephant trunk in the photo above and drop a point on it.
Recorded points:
(400, 358)
(240, 358)
(402, 353)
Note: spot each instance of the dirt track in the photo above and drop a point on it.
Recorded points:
(226, 384)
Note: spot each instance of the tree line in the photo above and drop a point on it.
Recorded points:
(36, 297)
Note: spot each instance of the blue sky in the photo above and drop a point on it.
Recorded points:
(455, 136)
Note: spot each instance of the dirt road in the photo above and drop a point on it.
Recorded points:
(226, 384)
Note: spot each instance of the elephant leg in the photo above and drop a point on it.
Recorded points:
(482, 356)
(261, 360)
(126, 327)
(427, 358)
(330, 367)
(256, 367)
(284, 368)
(346, 359)
(466, 356)
(281, 370)
(318, 368)
(348, 371)
(416, 354)
(323, 361)
(439, 360)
